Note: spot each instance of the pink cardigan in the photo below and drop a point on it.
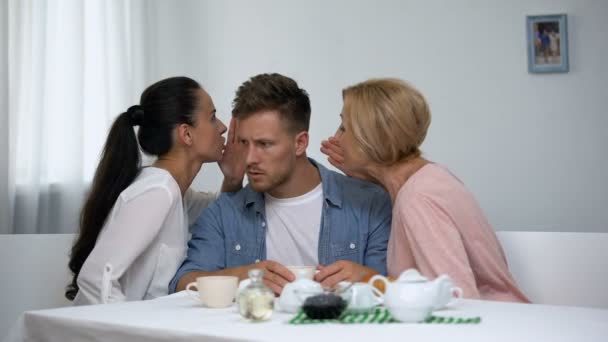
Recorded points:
(438, 228)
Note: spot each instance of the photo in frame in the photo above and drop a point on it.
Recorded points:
(547, 40)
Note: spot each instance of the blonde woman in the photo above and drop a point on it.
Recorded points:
(437, 225)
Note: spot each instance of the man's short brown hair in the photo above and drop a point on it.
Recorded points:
(274, 92)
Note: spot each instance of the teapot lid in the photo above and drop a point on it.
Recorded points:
(411, 276)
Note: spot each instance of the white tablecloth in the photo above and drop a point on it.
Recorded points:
(179, 318)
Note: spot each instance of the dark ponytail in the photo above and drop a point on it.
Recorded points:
(164, 105)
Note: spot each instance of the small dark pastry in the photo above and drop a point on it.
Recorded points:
(324, 306)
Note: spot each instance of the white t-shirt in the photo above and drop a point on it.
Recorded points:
(292, 234)
(143, 241)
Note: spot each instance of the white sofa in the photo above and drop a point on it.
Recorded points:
(34, 274)
(559, 268)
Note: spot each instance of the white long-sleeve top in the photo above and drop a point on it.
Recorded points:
(143, 241)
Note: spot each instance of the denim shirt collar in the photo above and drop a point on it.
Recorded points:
(331, 190)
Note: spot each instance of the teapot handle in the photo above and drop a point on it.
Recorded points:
(444, 279)
(458, 296)
(378, 295)
(382, 279)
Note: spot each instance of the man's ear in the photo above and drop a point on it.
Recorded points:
(184, 135)
(301, 142)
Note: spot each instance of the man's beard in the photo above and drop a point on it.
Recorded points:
(273, 183)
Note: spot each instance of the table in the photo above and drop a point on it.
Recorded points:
(179, 318)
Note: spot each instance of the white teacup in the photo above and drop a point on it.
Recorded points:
(214, 291)
(361, 297)
(306, 272)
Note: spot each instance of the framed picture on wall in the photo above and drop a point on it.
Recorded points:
(547, 38)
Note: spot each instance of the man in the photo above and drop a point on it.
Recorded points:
(293, 211)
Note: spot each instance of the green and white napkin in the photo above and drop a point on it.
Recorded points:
(379, 315)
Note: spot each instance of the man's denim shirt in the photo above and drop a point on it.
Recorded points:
(355, 226)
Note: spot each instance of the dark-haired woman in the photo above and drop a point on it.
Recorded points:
(134, 224)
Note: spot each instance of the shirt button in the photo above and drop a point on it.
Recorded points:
(263, 224)
(237, 247)
(352, 246)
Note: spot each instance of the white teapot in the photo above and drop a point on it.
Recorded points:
(412, 297)
(296, 292)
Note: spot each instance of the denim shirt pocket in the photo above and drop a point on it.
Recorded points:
(346, 250)
(241, 252)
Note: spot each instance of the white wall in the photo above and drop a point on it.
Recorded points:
(531, 147)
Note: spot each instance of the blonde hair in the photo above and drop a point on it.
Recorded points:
(387, 117)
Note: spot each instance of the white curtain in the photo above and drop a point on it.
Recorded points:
(4, 209)
(73, 66)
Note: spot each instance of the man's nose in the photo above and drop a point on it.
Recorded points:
(251, 157)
